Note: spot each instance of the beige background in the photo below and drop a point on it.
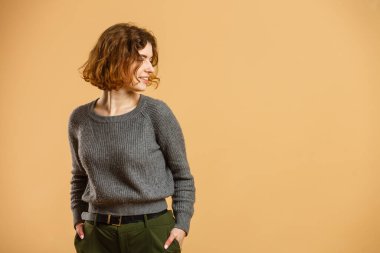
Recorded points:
(278, 101)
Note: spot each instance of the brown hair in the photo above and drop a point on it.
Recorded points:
(109, 63)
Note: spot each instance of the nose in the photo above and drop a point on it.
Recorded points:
(149, 67)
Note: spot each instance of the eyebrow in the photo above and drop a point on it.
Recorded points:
(145, 55)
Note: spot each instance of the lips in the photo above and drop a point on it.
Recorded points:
(144, 79)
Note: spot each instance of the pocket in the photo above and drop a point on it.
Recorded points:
(172, 224)
(175, 241)
(175, 247)
(81, 244)
(159, 234)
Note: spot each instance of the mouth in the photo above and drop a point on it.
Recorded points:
(144, 79)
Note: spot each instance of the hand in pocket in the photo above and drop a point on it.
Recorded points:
(175, 234)
(79, 229)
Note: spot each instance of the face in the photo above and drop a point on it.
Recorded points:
(144, 70)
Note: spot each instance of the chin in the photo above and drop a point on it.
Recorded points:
(138, 87)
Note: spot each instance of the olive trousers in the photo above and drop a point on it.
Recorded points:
(146, 236)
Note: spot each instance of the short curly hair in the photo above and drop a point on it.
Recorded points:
(109, 65)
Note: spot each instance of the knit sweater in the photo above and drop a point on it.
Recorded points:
(128, 164)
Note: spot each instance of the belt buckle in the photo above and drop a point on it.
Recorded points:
(116, 224)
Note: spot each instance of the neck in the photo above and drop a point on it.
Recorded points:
(113, 101)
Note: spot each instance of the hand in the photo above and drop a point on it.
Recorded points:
(79, 229)
(175, 234)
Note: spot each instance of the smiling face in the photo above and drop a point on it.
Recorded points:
(144, 70)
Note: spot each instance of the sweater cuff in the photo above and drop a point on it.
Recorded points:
(182, 221)
(77, 212)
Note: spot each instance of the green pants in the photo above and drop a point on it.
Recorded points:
(146, 236)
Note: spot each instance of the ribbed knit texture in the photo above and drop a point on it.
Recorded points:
(128, 164)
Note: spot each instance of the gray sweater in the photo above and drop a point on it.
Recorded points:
(128, 164)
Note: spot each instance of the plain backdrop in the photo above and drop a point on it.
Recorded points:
(278, 102)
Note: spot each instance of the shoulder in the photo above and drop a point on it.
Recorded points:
(156, 106)
(78, 113)
(162, 118)
(159, 112)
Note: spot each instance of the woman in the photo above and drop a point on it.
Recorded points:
(128, 154)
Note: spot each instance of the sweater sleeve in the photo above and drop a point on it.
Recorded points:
(79, 176)
(171, 140)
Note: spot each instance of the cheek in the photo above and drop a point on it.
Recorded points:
(135, 70)
(139, 71)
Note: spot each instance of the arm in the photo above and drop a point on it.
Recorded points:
(172, 143)
(79, 177)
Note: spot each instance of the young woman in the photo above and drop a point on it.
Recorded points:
(128, 154)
